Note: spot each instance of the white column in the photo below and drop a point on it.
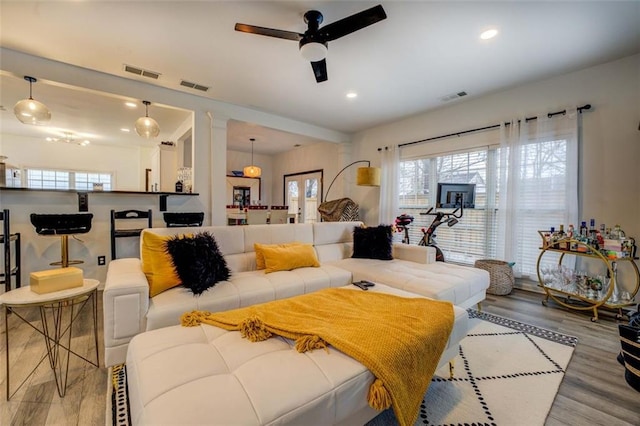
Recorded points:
(218, 167)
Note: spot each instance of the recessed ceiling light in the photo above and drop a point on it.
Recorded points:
(125, 130)
(131, 104)
(486, 35)
(352, 95)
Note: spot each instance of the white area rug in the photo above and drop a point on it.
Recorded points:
(506, 373)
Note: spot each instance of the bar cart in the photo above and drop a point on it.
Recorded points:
(581, 291)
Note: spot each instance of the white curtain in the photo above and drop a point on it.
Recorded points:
(389, 184)
(538, 183)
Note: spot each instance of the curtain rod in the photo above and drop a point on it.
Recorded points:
(495, 126)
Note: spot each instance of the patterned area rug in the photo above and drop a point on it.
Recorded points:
(507, 373)
(118, 397)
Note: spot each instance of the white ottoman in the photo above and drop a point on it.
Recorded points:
(207, 375)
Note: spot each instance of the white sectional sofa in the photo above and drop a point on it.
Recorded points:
(210, 376)
(128, 310)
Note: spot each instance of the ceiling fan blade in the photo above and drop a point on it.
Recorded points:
(270, 32)
(352, 23)
(320, 70)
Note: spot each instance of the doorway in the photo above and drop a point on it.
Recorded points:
(302, 195)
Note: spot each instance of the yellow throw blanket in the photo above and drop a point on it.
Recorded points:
(400, 340)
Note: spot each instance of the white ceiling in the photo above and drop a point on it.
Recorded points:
(400, 66)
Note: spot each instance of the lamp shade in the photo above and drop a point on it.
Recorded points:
(146, 126)
(30, 111)
(252, 171)
(368, 176)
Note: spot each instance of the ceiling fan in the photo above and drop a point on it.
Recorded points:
(313, 43)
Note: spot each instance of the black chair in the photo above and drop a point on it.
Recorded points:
(5, 239)
(63, 225)
(178, 219)
(127, 215)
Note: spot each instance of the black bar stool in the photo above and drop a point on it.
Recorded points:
(128, 215)
(63, 225)
(178, 219)
(5, 239)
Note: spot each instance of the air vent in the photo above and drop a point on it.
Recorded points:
(141, 72)
(191, 85)
(453, 96)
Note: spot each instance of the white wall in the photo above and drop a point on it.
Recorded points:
(320, 156)
(26, 152)
(210, 169)
(610, 151)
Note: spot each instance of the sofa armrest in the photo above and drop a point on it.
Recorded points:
(413, 253)
(125, 303)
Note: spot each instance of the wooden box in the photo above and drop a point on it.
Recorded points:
(55, 280)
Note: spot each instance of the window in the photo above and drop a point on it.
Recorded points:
(47, 179)
(67, 179)
(84, 180)
(540, 189)
(473, 237)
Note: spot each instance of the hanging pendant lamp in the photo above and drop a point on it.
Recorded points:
(252, 171)
(30, 111)
(146, 126)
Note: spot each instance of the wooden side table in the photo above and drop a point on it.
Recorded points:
(52, 325)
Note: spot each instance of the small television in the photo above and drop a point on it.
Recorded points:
(454, 195)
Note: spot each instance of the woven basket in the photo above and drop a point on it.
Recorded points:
(501, 276)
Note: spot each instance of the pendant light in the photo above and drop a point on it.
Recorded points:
(146, 126)
(30, 111)
(252, 171)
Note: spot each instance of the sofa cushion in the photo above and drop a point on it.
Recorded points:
(245, 289)
(289, 257)
(461, 285)
(157, 264)
(372, 243)
(198, 261)
(259, 248)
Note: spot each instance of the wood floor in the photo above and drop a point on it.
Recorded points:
(593, 391)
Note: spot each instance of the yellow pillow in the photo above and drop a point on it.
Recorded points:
(260, 255)
(157, 264)
(288, 258)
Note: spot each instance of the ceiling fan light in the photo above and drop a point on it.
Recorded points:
(30, 111)
(313, 51)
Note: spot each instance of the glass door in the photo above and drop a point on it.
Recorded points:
(302, 194)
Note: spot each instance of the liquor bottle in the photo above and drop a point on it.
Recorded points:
(583, 230)
(620, 235)
(571, 234)
(593, 238)
(553, 237)
(562, 238)
(583, 237)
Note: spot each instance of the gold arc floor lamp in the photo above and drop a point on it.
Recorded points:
(367, 176)
(346, 209)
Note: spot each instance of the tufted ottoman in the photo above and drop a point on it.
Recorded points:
(207, 375)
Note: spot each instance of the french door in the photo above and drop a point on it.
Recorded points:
(302, 195)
